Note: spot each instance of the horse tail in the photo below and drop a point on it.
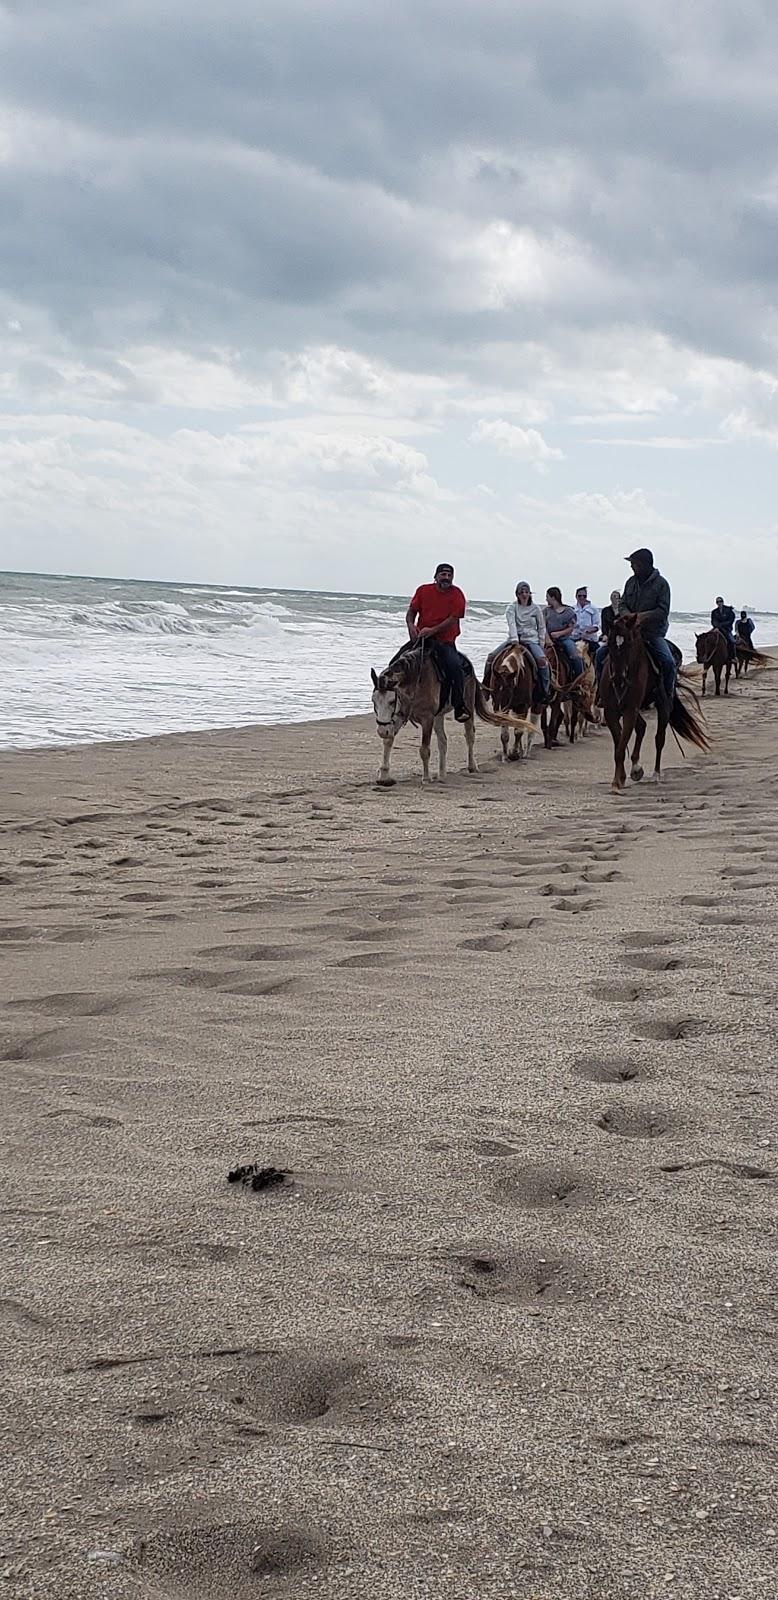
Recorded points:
(688, 724)
(499, 719)
(756, 658)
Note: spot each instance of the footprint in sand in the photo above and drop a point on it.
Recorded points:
(486, 943)
(535, 1277)
(654, 961)
(626, 993)
(617, 1069)
(671, 1028)
(224, 1560)
(72, 1005)
(635, 1122)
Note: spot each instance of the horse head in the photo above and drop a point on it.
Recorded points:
(703, 641)
(389, 702)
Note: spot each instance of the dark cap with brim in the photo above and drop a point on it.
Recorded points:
(641, 555)
(444, 566)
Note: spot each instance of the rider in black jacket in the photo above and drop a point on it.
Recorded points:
(723, 618)
(647, 595)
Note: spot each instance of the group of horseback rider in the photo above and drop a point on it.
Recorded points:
(437, 609)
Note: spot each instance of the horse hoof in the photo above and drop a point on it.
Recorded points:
(385, 783)
(636, 774)
(656, 777)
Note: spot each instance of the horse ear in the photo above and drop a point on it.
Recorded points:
(374, 678)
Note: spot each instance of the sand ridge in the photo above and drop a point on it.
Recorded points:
(510, 1330)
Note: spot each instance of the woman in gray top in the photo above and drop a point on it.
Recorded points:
(527, 626)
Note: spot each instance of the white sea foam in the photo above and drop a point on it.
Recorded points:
(90, 659)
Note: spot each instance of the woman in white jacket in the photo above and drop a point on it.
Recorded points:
(527, 626)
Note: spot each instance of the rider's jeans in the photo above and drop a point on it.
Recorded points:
(453, 664)
(544, 673)
(664, 655)
(568, 646)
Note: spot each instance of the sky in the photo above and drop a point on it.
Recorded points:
(317, 294)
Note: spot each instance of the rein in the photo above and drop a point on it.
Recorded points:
(708, 662)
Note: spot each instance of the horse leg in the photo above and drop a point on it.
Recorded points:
(619, 745)
(717, 677)
(661, 734)
(384, 777)
(469, 727)
(727, 675)
(424, 749)
(636, 771)
(704, 678)
(505, 739)
(440, 734)
(528, 737)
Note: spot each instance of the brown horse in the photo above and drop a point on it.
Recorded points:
(713, 653)
(630, 682)
(512, 685)
(413, 689)
(574, 701)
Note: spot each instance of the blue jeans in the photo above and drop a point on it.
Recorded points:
(660, 649)
(663, 656)
(567, 646)
(536, 651)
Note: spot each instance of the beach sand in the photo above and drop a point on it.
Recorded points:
(510, 1329)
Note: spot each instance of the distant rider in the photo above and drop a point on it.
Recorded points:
(560, 627)
(744, 628)
(527, 626)
(723, 620)
(435, 613)
(587, 619)
(609, 614)
(647, 596)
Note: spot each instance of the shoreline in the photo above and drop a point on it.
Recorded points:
(506, 1329)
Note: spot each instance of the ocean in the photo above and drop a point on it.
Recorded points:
(86, 659)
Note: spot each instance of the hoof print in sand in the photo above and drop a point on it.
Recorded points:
(543, 1185)
(299, 1389)
(671, 1028)
(532, 1279)
(653, 961)
(621, 1069)
(228, 1561)
(636, 1122)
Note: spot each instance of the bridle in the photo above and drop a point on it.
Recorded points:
(401, 713)
(708, 662)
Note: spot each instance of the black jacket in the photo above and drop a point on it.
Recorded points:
(607, 619)
(723, 618)
(651, 596)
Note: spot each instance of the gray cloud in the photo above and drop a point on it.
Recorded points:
(269, 179)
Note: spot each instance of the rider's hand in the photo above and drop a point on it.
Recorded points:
(413, 633)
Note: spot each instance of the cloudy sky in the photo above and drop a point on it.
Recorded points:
(314, 294)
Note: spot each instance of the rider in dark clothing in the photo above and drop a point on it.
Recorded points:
(647, 595)
(744, 627)
(723, 619)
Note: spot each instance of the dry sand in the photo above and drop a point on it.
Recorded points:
(511, 1330)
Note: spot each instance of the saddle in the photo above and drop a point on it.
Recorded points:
(650, 700)
(429, 648)
(502, 660)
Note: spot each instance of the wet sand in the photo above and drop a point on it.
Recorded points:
(509, 1330)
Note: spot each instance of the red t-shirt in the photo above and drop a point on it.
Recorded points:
(432, 605)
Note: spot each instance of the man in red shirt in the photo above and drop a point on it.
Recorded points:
(434, 613)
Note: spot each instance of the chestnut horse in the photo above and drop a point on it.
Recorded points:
(630, 682)
(512, 685)
(713, 653)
